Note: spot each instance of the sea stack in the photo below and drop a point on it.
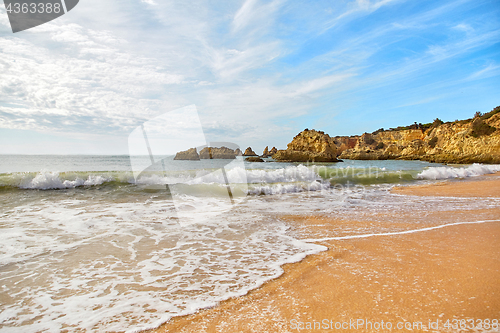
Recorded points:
(249, 152)
(222, 153)
(265, 153)
(190, 155)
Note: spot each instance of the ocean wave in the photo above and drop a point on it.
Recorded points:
(51, 180)
(47, 180)
(291, 179)
(365, 176)
(435, 173)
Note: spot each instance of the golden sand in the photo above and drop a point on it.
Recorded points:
(484, 187)
(451, 273)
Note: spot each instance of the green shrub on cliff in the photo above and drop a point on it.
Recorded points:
(480, 128)
(437, 122)
(491, 113)
(369, 140)
(433, 142)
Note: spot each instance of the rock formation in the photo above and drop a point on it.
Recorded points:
(238, 152)
(190, 154)
(309, 146)
(265, 153)
(273, 151)
(217, 153)
(249, 152)
(475, 140)
(254, 159)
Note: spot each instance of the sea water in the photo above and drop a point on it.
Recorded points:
(86, 245)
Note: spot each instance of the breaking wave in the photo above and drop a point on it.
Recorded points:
(290, 179)
(435, 173)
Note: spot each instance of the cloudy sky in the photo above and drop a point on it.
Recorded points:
(258, 71)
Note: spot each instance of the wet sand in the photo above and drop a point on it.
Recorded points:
(481, 187)
(407, 279)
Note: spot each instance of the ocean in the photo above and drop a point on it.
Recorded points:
(93, 243)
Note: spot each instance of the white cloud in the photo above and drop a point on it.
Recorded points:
(356, 8)
(491, 70)
(230, 63)
(93, 79)
(244, 14)
(150, 2)
(464, 27)
(255, 14)
(251, 66)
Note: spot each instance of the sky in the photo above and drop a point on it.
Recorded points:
(257, 71)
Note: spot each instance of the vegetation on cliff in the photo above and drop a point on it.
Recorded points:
(462, 141)
(474, 140)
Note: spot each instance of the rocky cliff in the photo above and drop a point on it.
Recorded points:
(309, 146)
(475, 140)
(467, 141)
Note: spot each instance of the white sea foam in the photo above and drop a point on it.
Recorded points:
(397, 232)
(106, 266)
(119, 258)
(102, 264)
(52, 180)
(238, 175)
(434, 173)
(273, 189)
(46, 180)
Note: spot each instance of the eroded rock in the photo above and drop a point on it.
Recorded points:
(190, 155)
(217, 153)
(249, 152)
(309, 146)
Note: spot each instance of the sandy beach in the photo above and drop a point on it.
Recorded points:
(423, 280)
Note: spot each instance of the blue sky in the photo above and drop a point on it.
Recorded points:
(258, 71)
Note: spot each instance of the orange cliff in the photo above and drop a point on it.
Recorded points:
(475, 140)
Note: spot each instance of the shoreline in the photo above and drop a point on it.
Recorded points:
(438, 273)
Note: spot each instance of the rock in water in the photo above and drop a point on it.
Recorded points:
(273, 151)
(238, 152)
(254, 159)
(190, 154)
(222, 153)
(249, 152)
(309, 146)
(265, 153)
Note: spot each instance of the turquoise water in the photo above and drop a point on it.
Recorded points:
(17, 170)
